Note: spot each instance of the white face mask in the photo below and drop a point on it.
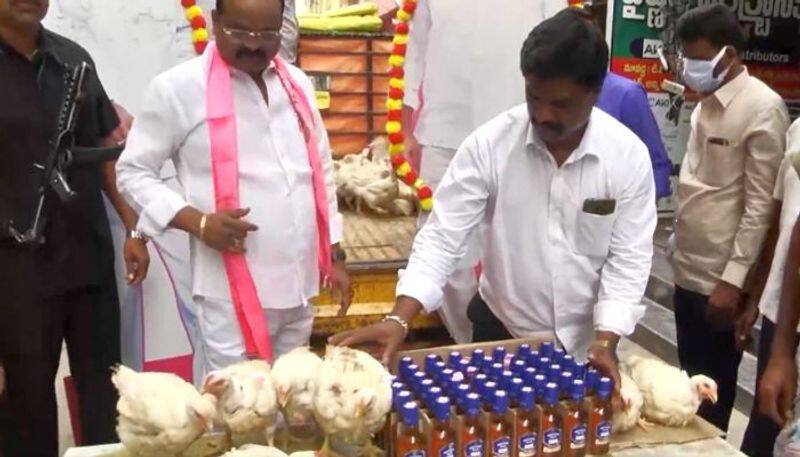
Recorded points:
(699, 74)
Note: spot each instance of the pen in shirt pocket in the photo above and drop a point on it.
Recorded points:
(719, 141)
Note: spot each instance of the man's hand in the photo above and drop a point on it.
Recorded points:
(777, 389)
(137, 260)
(388, 333)
(604, 359)
(120, 134)
(339, 281)
(226, 230)
(744, 324)
(723, 304)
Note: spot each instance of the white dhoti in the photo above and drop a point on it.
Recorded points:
(463, 283)
(221, 340)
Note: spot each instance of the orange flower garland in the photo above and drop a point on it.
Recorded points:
(194, 14)
(394, 105)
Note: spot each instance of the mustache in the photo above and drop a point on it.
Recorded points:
(551, 126)
(246, 53)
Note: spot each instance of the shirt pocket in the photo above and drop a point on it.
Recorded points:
(721, 165)
(593, 233)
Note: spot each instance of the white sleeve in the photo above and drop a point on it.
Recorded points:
(416, 53)
(627, 268)
(152, 141)
(459, 205)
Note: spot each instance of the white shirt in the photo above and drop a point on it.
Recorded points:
(547, 265)
(787, 190)
(468, 68)
(274, 179)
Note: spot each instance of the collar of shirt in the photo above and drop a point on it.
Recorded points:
(535, 144)
(46, 46)
(729, 91)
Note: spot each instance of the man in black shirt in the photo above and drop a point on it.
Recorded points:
(64, 289)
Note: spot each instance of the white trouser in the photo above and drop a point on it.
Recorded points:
(221, 339)
(462, 284)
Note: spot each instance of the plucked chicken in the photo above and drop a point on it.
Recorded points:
(352, 397)
(670, 396)
(247, 398)
(160, 414)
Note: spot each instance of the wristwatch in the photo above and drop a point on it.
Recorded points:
(137, 235)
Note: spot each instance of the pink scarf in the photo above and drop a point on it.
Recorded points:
(224, 162)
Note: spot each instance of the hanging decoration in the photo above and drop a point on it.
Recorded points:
(194, 14)
(394, 105)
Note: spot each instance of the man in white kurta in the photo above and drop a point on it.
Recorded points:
(461, 72)
(275, 183)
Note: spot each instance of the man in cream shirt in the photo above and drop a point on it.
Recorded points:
(274, 229)
(724, 196)
(567, 199)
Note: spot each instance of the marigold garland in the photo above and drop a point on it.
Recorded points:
(194, 14)
(394, 105)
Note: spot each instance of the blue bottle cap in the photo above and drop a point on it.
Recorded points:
(472, 404)
(397, 386)
(551, 394)
(516, 388)
(424, 385)
(568, 363)
(528, 375)
(518, 367)
(453, 358)
(554, 372)
(471, 372)
(505, 380)
(540, 384)
(592, 378)
(461, 393)
(500, 402)
(523, 350)
(479, 380)
(499, 354)
(462, 365)
(476, 358)
(546, 349)
(532, 359)
(496, 371)
(558, 355)
(441, 409)
(446, 377)
(527, 397)
(417, 377)
(410, 414)
(488, 390)
(543, 363)
(400, 399)
(487, 363)
(579, 371)
(433, 393)
(565, 382)
(577, 390)
(604, 387)
(430, 361)
(439, 366)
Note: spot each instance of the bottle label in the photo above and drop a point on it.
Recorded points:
(527, 445)
(415, 453)
(449, 450)
(502, 447)
(603, 433)
(578, 437)
(551, 441)
(474, 449)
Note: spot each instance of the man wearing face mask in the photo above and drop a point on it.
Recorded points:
(566, 197)
(258, 198)
(724, 197)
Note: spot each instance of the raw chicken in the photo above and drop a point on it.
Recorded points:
(352, 397)
(366, 182)
(247, 399)
(670, 396)
(253, 450)
(293, 375)
(160, 414)
(631, 414)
